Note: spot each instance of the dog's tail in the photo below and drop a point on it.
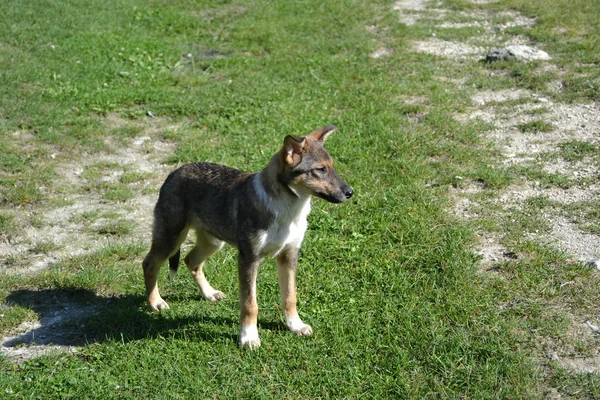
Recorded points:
(174, 264)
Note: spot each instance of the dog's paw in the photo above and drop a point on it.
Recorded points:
(306, 330)
(214, 296)
(249, 337)
(250, 344)
(298, 327)
(158, 305)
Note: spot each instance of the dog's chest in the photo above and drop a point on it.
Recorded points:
(286, 231)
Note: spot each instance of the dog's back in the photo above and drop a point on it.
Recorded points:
(202, 195)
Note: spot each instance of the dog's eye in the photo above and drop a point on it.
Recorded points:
(321, 170)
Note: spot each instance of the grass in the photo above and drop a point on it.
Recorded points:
(388, 281)
(134, 176)
(535, 126)
(117, 227)
(577, 150)
(586, 214)
(7, 224)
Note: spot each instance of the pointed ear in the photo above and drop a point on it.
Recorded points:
(292, 149)
(323, 133)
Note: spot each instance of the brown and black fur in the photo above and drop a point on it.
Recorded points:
(262, 214)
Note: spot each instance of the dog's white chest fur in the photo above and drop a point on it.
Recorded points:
(288, 228)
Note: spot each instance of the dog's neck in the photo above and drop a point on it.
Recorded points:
(274, 185)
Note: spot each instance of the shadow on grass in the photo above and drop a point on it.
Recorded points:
(76, 317)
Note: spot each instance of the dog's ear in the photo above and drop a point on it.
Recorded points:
(323, 133)
(292, 149)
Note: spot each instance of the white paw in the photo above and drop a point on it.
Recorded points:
(296, 325)
(249, 337)
(214, 296)
(158, 305)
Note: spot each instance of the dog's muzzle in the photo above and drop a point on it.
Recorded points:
(343, 194)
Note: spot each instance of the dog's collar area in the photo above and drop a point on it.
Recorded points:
(287, 187)
(282, 186)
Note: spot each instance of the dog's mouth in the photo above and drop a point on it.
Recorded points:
(336, 198)
(330, 198)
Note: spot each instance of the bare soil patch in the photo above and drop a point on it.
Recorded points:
(67, 224)
(381, 52)
(448, 49)
(499, 96)
(568, 237)
(407, 9)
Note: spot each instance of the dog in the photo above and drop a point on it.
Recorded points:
(262, 214)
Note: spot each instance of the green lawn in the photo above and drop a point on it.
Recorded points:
(388, 281)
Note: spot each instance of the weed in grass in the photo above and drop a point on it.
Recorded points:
(44, 247)
(537, 111)
(525, 75)
(586, 214)
(538, 202)
(583, 86)
(149, 191)
(127, 131)
(413, 110)
(593, 228)
(85, 217)
(526, 220)
(37, 221)
(496, 178)
(117, 192)
(21, 193)
(98, 170)
(110, 191)
(13, 260)
(545, 179)
(61, 201)
(132, 177)
(12, 160)
(7, 224)
(457, 34)
(577, 150)
(535, 126)
(118, 227)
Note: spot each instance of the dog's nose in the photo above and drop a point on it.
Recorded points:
(348, 193)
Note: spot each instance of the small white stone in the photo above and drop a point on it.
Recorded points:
(594, 264)
(381, 52)
(592, 326)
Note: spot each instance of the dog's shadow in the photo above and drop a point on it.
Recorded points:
(77, 317)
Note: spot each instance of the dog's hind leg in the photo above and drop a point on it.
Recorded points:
(163, 247)
(174, 264)
(286, 262)
(206, 246)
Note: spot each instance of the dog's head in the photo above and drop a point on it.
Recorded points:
(307, 168)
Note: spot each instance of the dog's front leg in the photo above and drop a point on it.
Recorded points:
(286, 262)
(248, 270)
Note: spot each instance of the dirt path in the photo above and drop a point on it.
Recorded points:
(530, 130)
